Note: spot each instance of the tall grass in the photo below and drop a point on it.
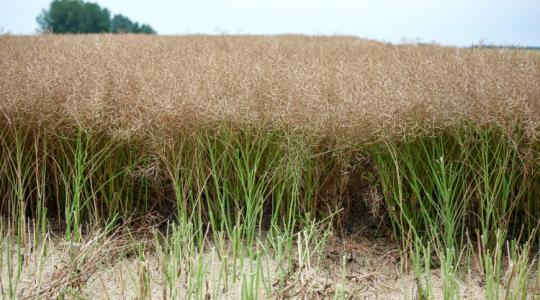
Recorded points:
(262, 193)
(461, 180)
(442, 188)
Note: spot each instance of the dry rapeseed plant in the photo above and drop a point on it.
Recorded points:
(103, 88)
(157, 85)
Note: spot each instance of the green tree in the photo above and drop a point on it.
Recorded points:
(122, 24)
(77, 16)
(74, 16)
(145, 28)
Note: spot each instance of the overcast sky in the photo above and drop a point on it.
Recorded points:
(456, 22)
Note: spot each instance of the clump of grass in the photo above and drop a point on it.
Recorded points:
(459, 180)
(441, 188)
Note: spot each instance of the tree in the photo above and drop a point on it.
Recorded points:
(122, 24)
(145, 28)
(77, 16)
(74, 16)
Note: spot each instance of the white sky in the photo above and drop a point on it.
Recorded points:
(457, 22)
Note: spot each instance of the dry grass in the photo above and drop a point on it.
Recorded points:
(106, 267)
(334, 85)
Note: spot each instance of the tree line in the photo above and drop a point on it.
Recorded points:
(77, 16)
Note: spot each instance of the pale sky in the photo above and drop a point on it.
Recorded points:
(454, 22)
